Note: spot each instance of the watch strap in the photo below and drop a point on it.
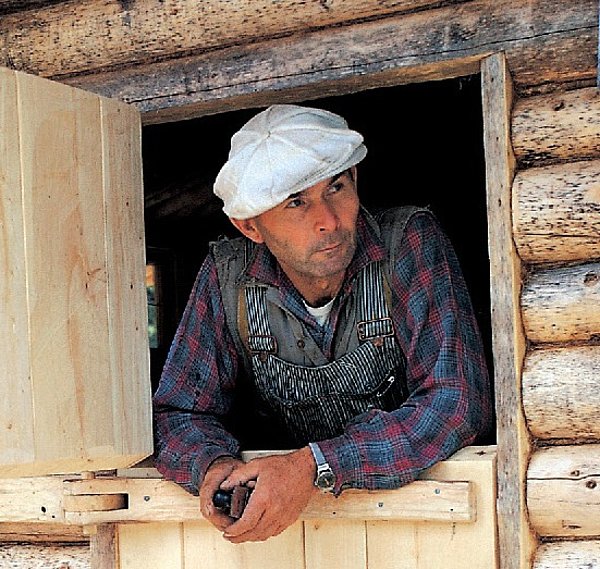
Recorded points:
(325, 479)
(318, 455)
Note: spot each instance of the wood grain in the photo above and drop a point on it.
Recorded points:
(84, 35)
(556, 212)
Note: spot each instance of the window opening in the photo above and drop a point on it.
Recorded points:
(153, 296)
(160, 276)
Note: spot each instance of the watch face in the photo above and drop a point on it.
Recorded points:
(326, 480)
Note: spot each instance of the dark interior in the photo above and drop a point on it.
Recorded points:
(425, 147)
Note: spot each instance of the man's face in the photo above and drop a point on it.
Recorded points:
(312, 233)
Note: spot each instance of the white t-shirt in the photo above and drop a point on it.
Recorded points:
(320, 313)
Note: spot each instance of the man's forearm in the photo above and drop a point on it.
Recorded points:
(187, 445)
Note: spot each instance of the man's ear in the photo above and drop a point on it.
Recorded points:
(248, 228)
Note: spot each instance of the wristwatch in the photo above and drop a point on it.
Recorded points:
(325, 479)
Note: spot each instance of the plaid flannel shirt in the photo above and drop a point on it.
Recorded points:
(449, 396)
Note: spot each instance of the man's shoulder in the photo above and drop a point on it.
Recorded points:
(225, 249)
(392, 222)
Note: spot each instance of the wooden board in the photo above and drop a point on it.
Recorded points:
(176, 538)
(73, 341)
(423, 545)
(160, 543)
(16, 401)
(114, 499)
(66, 267)
(125, 255)
(344, 542)
(202, 543)
(340, 543)
(104, 547)
(516, 541)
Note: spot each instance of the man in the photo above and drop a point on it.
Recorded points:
(349, 338)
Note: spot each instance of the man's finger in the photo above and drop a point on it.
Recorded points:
(249, 520)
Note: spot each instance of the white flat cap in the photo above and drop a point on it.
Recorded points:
(283, 150)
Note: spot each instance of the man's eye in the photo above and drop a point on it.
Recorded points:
(296, 202)
(334, 188)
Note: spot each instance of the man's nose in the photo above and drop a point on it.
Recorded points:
(326, 217)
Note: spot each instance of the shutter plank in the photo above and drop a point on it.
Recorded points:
(16, 419)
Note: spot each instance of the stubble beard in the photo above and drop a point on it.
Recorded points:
(322, 264)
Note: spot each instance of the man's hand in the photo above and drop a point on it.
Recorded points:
(283, 487)
(218, 471)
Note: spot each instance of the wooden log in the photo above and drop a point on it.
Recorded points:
(545, 43)
(65, 39)
(104, 548)
(563, 491)
(558, 126)
(37, 532)
(560, 394)
(9, 6)
(562, 304)
(516, 543)
(556, 212)
(558, 60)
(83, 35)
(568, 555)
(31, 500)
(261, 75)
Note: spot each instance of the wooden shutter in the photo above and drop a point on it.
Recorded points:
(74, 364)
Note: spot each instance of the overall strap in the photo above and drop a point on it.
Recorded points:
(231, 258)
(373, 318)
(260, 339)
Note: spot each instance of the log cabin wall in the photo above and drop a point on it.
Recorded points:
(556, 213)
(177, 60)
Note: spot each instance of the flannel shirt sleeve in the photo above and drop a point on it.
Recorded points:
(449, 400)
(196, 388)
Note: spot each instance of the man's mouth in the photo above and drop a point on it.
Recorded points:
(329, 248)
